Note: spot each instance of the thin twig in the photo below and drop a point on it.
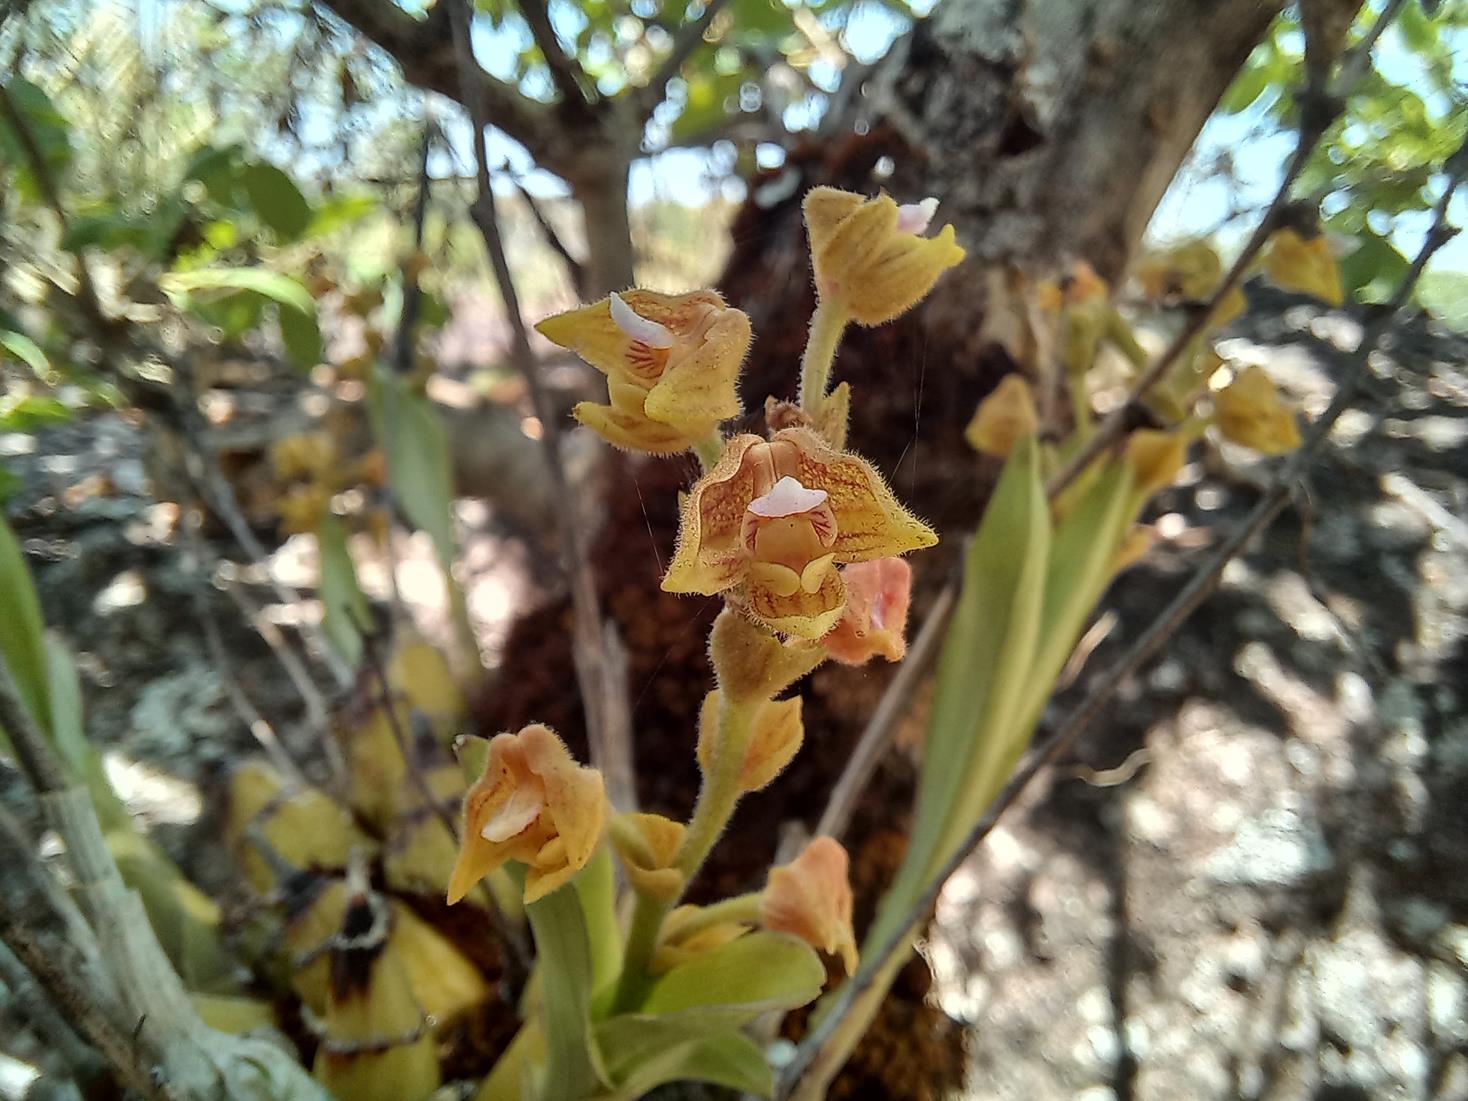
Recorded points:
(896, 700)
(1198, 588)
(688, 39)
(1319, 108)
(608, 727)
(249, 714)
(569, 78)
(403, 346)
(574, 267)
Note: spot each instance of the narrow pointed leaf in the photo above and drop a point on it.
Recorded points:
(736, 982)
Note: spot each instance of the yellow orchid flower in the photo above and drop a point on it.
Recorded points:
(1003, 418)
(1251, 412)
(1156, 457)
(870, 255)
(772, 519)
(776, 739)
(875, 618)
(811, 898)
(671, 363)
(533, 804)
(1304, 264)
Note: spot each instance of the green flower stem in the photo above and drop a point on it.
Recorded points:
(826, 326)
(721, 787)
(716, 800)
(709, 449)
(1080, 403)
(743, 909)
(642, 938)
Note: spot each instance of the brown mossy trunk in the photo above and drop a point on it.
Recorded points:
(1049, 130)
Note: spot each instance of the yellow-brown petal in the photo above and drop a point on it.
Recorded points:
(901, 275)
(1252, 413)
(870, 523)
(1003, 418)
(811, 898)
(1156, 458)
(698, 389)
(803, 606)
(711, 556)
(575, 803)
(825, 209)
(841, 261)
(776, 739)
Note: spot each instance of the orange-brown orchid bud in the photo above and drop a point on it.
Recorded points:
(533, 804)
(1156, 458)
(811, 898)
(774, 740)
(308, 456)
(752, 663)
(1251, 412)
(302, 509)
(772, 520)
(870, 255)
(671, 363)
(875, 618)
(648, 845)
(1003, 418)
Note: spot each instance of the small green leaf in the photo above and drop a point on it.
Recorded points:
(27, 351)
(563, 955)
(48, 130)
(282, 289)
(22, 637)
(301, 336)
(642, 1053)
(736, 982)
(340, 211)
(277, 200)
(419, 464)
(344, 606)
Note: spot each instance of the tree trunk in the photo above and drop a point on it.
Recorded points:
(601, 189)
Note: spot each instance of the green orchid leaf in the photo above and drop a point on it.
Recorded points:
(736, 982)
(642, 1053)
(983, 672)
(344, 606)
(278, 288)
(27, 351)
(564, 964)
(277, 200)
(22, 630)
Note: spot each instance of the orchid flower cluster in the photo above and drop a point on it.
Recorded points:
(804, 541)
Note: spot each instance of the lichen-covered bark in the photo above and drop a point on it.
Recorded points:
(1051, 128)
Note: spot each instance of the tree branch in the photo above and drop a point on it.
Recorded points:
(570, 79)
(688, 39)
(424, 50)
(608, 724)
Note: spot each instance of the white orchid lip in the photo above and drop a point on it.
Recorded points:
(916, 217)
(640, 328)
(787, 498)
(516, 815)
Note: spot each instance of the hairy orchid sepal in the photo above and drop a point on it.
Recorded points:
(870, 255)
(771, 521)
(672, 363)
